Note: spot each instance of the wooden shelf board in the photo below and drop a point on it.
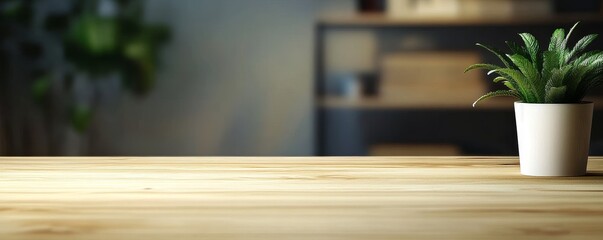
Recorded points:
(501, 103)
(381, 20)
(378, 103)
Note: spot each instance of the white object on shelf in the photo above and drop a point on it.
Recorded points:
(352, 88)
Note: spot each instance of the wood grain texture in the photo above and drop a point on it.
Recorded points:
(294, 198)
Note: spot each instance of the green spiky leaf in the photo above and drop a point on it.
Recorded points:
(531, 46)
(517, 49)
(550, 62)
(583, 43)
(496, 52)
(481, 66)
(519, 80)
(531, 76)
(507, 93)
(499, 79)
(557, 40)
(559, 74)
(510, 85)
(564, 43)
(556, 94)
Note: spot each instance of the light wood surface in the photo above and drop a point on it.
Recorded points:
(294, 198)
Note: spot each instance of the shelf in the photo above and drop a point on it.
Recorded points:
(500, 103)
(410, 104)
(381, 20)
(402, 114)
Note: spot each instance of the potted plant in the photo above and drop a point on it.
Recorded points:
(553, 123)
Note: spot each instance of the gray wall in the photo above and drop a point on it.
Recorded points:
(236, 79)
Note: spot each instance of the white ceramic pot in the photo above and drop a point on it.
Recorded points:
(553, 138)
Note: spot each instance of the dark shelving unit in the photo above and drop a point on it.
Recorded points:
(350, 127)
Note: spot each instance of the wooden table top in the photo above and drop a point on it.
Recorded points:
(294, 198)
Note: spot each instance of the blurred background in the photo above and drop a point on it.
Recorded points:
(265, 77)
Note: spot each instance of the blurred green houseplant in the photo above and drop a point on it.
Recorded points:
(99, 45)
(99, 40)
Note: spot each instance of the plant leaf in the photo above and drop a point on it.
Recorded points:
(556, 94)
(526, 67)
(550, 61)
(516, 49)
(557, 77)
(496, 52)
(532, 79)
(588, 58)
(481, 66)
(582, 44)
(564, 43)
(531, 46)
(508, 93)
(574, 77)
(519, 81)
(510, 85)
(592, 78)
(499, 78)
(557, 40)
